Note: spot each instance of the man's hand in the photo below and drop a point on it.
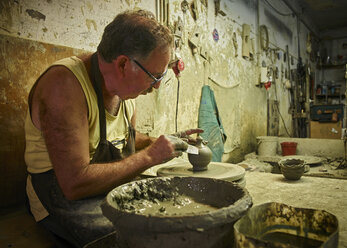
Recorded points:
(165, 148)
(179, 144)
(185, 135)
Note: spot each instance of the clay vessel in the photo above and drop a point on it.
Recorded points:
(292, 169)
(200, 161)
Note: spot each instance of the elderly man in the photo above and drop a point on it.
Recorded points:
(80, 136)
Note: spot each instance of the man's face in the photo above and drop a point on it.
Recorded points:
(146, 75)
(156, 79)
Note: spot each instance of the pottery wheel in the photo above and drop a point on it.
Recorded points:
(310, 160)
(216, 170)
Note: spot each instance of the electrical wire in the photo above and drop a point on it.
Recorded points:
(278, 12)
(178, 96)
(223, 86)
(279, 112)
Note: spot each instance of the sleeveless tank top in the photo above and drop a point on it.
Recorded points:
(36, 155)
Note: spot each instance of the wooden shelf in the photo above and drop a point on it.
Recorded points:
(332, 96)
(339, 66)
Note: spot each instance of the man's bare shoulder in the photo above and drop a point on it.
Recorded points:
(58, 76)
(59, 96)
(59, 82)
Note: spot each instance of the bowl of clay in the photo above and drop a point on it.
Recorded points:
(291, 168)
(176, 211)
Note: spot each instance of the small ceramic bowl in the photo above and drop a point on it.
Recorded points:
(292, 169)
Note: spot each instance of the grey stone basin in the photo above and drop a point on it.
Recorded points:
(176, 211)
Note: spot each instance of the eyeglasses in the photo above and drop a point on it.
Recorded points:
(156, 80)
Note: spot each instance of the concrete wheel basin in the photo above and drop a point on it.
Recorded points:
(176, 211)
(279, 225)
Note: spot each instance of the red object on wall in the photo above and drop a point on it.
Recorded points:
(178, 67)
(267, 85)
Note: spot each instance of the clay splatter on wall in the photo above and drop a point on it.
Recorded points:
(36, 14)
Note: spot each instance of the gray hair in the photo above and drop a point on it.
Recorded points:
(134, 34)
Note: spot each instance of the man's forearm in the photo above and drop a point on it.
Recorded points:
(142, 141)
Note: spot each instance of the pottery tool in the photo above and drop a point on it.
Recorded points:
(192, 150)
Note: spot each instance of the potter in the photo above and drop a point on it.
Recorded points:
(81, 140)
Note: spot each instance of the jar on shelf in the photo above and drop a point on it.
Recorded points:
(319, 90)
(324, 89)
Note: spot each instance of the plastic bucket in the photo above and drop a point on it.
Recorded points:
(267, 145)
(288, 148)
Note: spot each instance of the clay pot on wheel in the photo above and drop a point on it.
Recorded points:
(200, 161)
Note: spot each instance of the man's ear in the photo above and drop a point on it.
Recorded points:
(121, 64)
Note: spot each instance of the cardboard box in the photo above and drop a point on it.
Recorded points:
(326, 130)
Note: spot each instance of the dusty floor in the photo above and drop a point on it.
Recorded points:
(308, 192)
(19, 230)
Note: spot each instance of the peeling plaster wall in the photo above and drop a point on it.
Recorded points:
(43, 27)
(78, 24)
(22, 61)
(242, 104)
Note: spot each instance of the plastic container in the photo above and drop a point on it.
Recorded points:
(267, 145)
(288, 148)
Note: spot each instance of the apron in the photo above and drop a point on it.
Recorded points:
(210, 121)
(83, 219)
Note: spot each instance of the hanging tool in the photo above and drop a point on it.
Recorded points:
(218, 8)
(192, 150)
(194, 10)
(246, 42)
(194, 41)
(184, 6)
(264, 37)
(252, 50)
(235, 44)
(179, 33)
